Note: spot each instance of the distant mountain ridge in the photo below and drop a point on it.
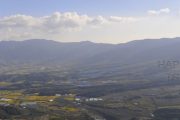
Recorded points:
(39, 51)
(139, 56)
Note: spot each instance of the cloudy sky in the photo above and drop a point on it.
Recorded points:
(107, 21)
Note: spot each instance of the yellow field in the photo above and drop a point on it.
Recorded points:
(70, 109)
(3, 84)
(39, 98)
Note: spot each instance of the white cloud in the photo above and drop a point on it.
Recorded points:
(159, 12)
(71, 26)
(122, 19)
(22, 26)
(56, 21)
(98, 20)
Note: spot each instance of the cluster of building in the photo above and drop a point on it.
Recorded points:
(4, 102)
(82, 99)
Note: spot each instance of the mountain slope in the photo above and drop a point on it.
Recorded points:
(139, 58)
(47, 52)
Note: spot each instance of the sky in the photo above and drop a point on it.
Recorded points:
(101, 21)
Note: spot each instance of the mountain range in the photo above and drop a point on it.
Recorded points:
(149, 57)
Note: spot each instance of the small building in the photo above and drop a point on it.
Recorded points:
(58, 95)
(77, 99)
(5, 99)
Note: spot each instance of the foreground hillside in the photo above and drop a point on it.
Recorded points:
(48, 80)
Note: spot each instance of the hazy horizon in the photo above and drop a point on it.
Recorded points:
(89, 40)
(96, 21)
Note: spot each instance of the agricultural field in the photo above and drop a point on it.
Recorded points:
(49, 100)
